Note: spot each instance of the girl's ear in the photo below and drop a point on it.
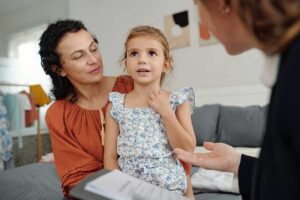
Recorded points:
(167, 66)
(124, 65)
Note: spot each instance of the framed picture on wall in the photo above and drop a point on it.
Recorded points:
(177, 29)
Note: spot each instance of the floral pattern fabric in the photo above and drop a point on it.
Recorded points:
(143, 148)
(5, 137)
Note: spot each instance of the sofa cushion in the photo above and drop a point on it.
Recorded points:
(241, 126)
(204, 121)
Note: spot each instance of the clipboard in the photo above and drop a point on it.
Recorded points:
(107, 184)
(78, 192)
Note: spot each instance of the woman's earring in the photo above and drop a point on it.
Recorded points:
(225, 9)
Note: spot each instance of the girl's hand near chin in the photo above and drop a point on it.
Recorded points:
(159, 101)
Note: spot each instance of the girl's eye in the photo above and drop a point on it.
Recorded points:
(152, 53)
(133, 53)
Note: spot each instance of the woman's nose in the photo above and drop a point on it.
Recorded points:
(91, 58)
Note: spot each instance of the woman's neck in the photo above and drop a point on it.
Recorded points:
(95, 96)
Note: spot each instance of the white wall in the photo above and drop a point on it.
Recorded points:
(215, 76)
(2, 52)
(199, 67)
(38, 13)
(30, 16)
(233, 96)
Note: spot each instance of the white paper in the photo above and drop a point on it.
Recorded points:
(120, 186)
(212, 180)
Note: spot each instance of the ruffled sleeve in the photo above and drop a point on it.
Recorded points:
(177, 98)
(117, 100)
(184, 94)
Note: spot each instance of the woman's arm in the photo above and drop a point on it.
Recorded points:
(178, 125)
(223, 157)
(111, 136)
(246, 174)
(220, 156)
(73, 163)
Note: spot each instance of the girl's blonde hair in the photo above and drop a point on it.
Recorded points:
(154, 33)
(274, 23)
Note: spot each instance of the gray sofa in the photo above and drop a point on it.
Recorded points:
(237, 126)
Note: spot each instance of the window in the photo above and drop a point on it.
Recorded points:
(24, 47)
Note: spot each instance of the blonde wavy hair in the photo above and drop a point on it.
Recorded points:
(154, 33)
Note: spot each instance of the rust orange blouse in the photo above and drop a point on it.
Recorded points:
(75, 138)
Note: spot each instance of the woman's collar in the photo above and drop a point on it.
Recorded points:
(270, 69)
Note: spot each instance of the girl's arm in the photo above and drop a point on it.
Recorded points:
(179, 128)
(110, 146)
(178, 125)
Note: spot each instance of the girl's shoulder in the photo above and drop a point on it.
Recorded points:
(116, 98)
(183, 94)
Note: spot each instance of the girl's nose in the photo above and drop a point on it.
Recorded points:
(142, 59)
(142, 62)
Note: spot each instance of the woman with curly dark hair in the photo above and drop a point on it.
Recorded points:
(274, 27)
(71, 57)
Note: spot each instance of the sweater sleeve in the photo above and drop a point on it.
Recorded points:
(123, 84)
(73, 162)
(246, 172)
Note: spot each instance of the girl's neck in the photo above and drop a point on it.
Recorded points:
(145, 90)
(139, 96)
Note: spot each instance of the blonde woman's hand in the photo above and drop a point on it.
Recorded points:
(160, 102)
(220, 157)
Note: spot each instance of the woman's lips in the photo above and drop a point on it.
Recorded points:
(96, 70)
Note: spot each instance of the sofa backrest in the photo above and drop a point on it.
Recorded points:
(236, 126)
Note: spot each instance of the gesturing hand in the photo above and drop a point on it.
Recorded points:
(221, 157)
(160, 102)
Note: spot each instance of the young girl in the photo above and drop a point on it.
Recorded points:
(144, 126)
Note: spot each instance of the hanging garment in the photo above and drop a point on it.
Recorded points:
(16, 105)
(31, 115)
(6, 142)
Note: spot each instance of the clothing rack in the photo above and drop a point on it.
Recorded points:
(12, 84)
(39, 138)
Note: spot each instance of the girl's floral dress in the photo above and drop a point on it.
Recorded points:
(143, 148)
